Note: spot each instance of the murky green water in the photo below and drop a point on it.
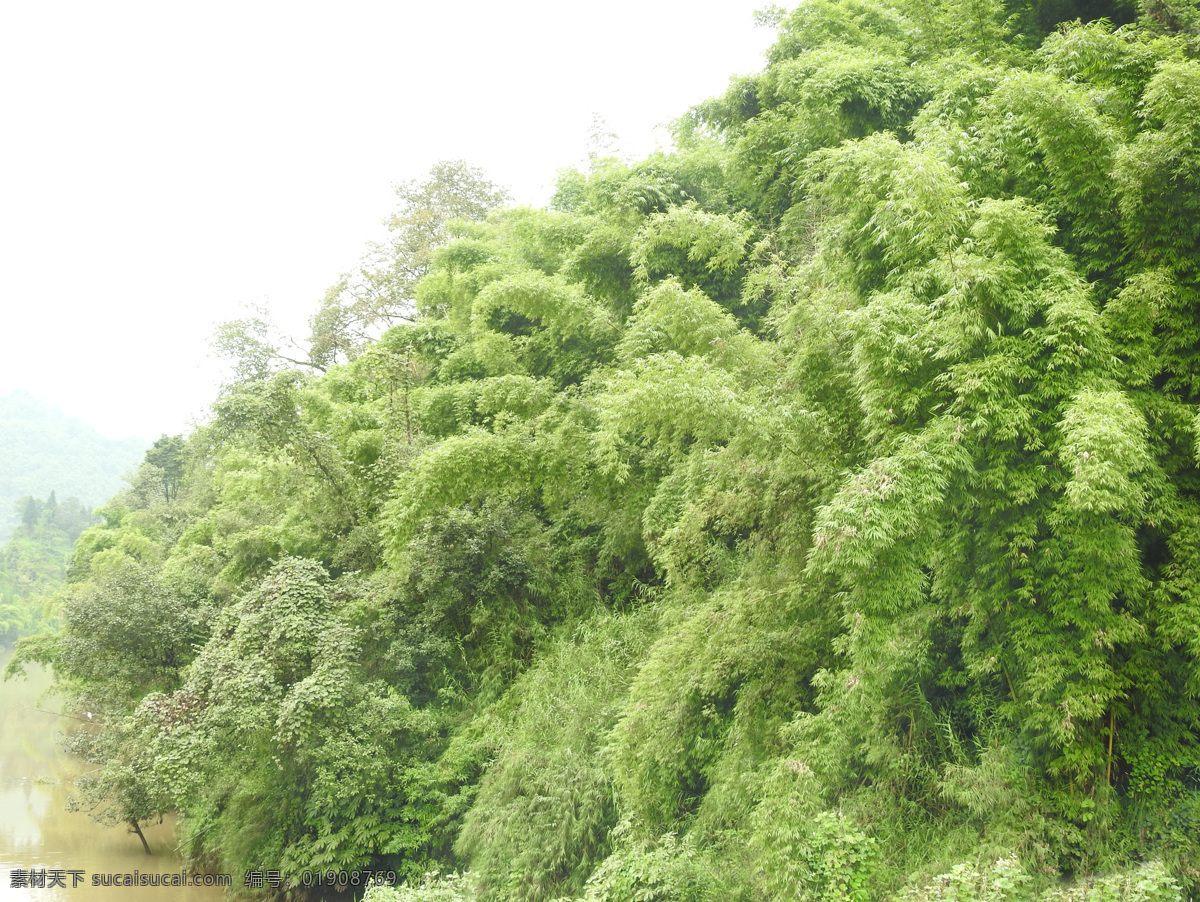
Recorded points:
(38, 834)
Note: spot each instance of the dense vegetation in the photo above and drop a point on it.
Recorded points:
(810, 512)
(33, 563)
(42, 450)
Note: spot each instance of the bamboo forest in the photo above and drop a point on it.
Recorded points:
(810, 511)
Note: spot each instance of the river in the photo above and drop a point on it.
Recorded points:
(38, 834)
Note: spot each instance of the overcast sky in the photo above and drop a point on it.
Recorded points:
(163, 164)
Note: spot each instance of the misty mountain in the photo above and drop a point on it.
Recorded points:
(43, 450)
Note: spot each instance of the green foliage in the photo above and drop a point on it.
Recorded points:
(274, 700)
(473, 604)
(123, 635)
(811, 511)
(382, 292)
(1157, 172)
(122, 787)
(823, 857)
(167, 457)
(703, 250)
(541, 820)
(33, 562)
(434, 887)
(666, 870)
(1005, 880)
(671, 730)
(463, 468)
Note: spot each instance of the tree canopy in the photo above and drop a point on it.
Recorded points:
(810, 511)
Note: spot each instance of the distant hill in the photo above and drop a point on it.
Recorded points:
(43, 450)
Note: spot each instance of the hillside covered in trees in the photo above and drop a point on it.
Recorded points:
(42, 450)
(33, 563)
(810, 512)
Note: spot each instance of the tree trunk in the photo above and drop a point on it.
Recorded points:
(134, 827)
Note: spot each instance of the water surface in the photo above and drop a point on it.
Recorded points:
(37, 832)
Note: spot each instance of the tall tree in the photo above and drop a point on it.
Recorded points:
(383, 291)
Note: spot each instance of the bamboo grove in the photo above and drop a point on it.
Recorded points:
(809, 512)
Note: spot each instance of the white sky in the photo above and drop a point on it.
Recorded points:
(162, 164)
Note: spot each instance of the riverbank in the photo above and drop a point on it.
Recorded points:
(50, 853)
